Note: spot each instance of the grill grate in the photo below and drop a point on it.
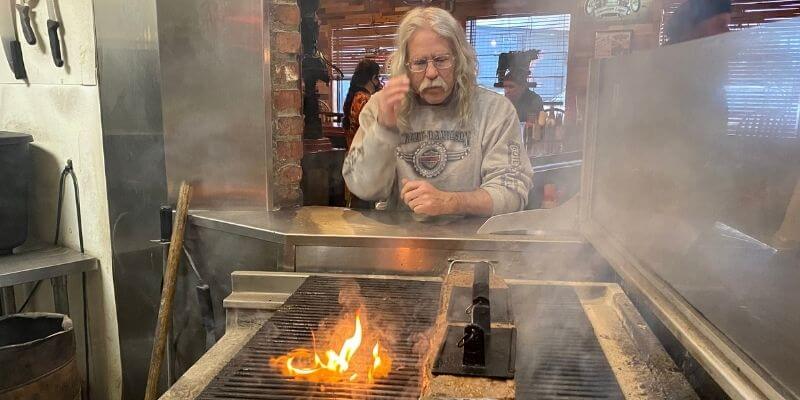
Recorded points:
(410, 306)
(558, 355)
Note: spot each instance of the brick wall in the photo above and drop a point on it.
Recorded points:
(287, 120)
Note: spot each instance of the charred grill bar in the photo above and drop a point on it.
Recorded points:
(408, 306)
(563, 359)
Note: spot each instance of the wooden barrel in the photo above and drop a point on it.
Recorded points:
(37, 358)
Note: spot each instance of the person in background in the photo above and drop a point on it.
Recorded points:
(433, 141)
(526, 102)
(365, 82)
(696, 19)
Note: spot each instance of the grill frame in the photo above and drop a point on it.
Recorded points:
(640, 362)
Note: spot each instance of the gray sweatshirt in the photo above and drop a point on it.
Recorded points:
(485, 153)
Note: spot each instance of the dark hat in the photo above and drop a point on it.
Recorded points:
(518, 77)
(693, 12)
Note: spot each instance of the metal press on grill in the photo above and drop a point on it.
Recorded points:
(475, 347)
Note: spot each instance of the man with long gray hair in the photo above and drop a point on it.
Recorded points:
(433, 141)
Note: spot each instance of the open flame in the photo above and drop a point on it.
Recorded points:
(345, 365)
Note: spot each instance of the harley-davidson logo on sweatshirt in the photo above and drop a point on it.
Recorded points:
(484, 152)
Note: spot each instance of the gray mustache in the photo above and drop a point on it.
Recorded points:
(432, 84)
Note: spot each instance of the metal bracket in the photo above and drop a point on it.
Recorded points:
(453, 261)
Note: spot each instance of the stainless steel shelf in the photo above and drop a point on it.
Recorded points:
(42, 261)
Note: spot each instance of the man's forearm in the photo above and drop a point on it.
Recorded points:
(477, 202)
(369, 167)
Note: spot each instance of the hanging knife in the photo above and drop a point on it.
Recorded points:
(8, 35)
(52, 30)
(24, 10)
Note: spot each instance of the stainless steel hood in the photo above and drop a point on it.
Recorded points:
(217, 100)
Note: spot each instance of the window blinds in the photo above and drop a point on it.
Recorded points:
(762, 91)
(548, 33)
(763, 86)
(746, 13)
(352, 43)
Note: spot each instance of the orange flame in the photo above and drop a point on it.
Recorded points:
(376, 363)
(346, 365)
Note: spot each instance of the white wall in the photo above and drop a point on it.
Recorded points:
(60, 107)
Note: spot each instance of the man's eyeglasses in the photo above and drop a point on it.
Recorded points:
(439, 62)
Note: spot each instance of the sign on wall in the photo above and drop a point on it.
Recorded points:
(618, 10)
(612, 43)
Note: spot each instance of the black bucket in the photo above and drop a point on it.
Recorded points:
(37, 358)
(15, 176)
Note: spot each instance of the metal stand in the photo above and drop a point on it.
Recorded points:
(59, 284)
(60, 293)
(202, 290)
(165, 218)
(9, 303)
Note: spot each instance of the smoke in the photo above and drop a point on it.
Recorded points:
(428, 343)
(674, 156)
(377, 327)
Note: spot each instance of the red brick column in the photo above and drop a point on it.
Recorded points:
(287, 113)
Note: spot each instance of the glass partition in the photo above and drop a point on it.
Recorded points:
(695, 172)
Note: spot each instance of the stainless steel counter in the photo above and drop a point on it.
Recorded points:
(329, 239)
(308, 225)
